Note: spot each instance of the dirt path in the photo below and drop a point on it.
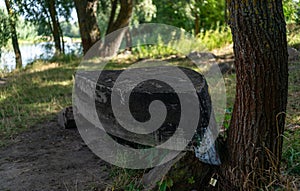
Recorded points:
(51, 158)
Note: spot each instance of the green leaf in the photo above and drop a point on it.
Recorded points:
(169, 182)
(163, 186)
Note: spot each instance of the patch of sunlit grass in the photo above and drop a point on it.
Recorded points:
(35, 94)
(42, 66)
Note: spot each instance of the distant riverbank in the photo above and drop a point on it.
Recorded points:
(32, 51)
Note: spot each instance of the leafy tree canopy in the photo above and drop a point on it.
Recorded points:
(4, 29)
(291, 9)
(36, 11)
(184, 12)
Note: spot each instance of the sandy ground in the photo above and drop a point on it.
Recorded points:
(49, 157)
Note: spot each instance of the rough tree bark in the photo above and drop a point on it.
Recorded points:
(14, 36)
(55, 27)
(89, 30)
(261, 59)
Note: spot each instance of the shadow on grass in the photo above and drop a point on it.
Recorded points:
(30, 97)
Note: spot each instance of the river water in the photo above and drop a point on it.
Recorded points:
(30, 52)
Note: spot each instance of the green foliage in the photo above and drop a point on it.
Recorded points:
(215, 38)
(183, 13)
(4, 29)
(132, 187)
(227, 118)
(211, 39)
(70, 30)
(37, 12)
(164, 184)
(153, 51)
(103, 15)
(211, 12)
(293, 35)
(144, 11)
(26, 30)
(191, 180)
(173, 14)
(291, 153)
(64, 8)
(291, 11)
(126, 179)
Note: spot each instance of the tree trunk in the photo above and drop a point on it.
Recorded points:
(55, 27)
(128, 41)
(62, 38)
(197, 24)
(114, 4)
(113, 42)
(255, 136)
(123, 18)
(14, 36)
(89, 30)
(225, 12)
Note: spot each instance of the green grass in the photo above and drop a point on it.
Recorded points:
(291, 153)
(293, 35)
(293, 108)
(211, 39)
(291, 149)
(215, 38)
(126, 179)
(34, 94)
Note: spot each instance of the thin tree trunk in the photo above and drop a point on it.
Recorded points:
(89, 30)
(197, 24)
(55, 26)
(128, 40)
(14, 36)
(255, 136)
(62, 38)
(226, 12)
(114, 4)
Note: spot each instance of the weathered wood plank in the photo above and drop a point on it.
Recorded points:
(141, 97)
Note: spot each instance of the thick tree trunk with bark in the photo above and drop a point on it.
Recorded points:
(261, 59)
(14, 36)
(89, 30)
(55, 27)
